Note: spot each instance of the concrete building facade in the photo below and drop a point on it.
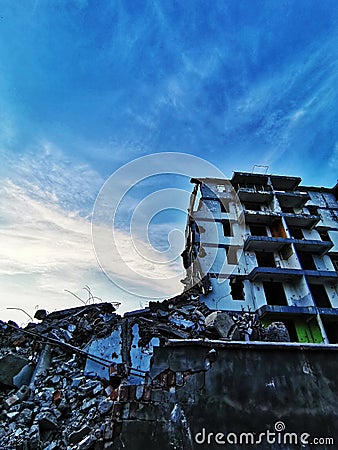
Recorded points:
(265, 244)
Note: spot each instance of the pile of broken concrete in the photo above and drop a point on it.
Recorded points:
(63, 379)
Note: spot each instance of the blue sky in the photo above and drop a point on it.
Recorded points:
(87, 86)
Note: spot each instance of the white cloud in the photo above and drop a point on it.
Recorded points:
(47, 173)
(46, 249)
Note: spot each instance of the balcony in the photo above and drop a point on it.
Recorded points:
(265, 243)
(284, 313)
(314, 246)
(281, 183)
(287, 311)
(273, 244)
(249, 178)
(274, 274)
(288, 275)
(256, 194)
(259, 217)
(295, 199)
(321, 276)
(302, 220)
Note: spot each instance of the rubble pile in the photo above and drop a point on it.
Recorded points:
(69, 381)
(51, 404)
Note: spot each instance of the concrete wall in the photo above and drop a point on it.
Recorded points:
(245, 390)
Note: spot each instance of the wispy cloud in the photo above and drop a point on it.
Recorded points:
(47, 172)
(46, 249)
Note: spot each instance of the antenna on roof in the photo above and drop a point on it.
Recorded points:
(260, 169)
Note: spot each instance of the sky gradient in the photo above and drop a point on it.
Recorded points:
(88, 86)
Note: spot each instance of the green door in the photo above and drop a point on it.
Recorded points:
(308, 331)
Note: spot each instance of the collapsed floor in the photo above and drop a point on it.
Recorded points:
(79, 376)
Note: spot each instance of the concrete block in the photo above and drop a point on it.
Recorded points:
(15, 371)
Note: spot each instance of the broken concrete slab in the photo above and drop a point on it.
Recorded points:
(221, 321)
(15, 371)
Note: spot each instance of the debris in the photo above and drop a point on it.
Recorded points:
(87, 442)
(79, 435)
(277, 332)
(40, 314)
(105, 406)
(221, 321)
(47, 421)
(15, 371)
(70, 380)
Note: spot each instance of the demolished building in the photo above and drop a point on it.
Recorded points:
(248, 351)
(264, 243)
